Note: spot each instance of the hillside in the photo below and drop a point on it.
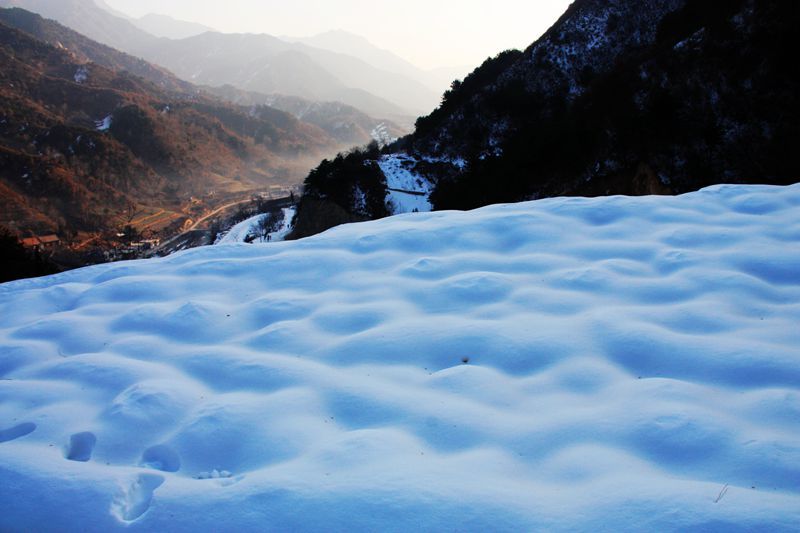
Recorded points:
(344, 123)
(89, 19)
(561, 365)
(663, 96)
(82, 145)
(86, 50)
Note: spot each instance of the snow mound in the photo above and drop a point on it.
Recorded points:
(567, 364)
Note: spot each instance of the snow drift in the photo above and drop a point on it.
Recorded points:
(616, 363)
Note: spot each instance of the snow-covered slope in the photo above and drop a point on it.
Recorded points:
(406, 190)
(242, 231)
(567, 364)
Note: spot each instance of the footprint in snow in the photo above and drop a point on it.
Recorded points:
(135, 499)
(17, 431)
(81, 446)
(162, 458)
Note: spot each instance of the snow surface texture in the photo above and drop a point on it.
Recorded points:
(241, 231)
(568, 364)
(408, 192)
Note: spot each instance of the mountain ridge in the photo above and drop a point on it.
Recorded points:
(344, 42)
(320, 74)
(171, 28)
(89, 19)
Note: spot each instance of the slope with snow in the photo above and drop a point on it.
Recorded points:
(568, 364)
(241, 232)
(406, 190)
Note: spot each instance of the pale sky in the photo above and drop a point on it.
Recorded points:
(428, 33)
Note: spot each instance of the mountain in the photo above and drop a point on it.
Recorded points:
(89, 19)
(265, 64)
(346, 124)
(662, 96)
(564, 365)
(342, 42)
(105, 7)
(86, 50)
(412, 95)
(259, 63)
(82, 144)
(171, 28)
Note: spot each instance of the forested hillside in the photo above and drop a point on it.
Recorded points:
(663, 96)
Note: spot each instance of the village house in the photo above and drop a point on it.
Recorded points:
(41, 242)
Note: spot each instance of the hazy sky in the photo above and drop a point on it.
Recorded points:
(429, 33)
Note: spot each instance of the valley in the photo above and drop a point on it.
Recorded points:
(103, 158)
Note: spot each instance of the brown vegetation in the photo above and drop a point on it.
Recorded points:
(83, 143)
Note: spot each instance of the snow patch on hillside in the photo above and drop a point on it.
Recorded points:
(408, 191)
(381, 135)
(562, 365)
(105, 124)
(81, 75)
(246, 231)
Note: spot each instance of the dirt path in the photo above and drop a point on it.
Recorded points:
(217, 212)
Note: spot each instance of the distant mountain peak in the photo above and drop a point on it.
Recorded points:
(345, 42)
(105, 7)
(166, 26)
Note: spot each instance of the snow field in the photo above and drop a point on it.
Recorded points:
(603, 364)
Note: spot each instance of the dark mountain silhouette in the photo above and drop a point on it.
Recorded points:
(618, 97)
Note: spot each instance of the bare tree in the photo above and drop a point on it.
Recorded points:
(269, 223)
(264, 227)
